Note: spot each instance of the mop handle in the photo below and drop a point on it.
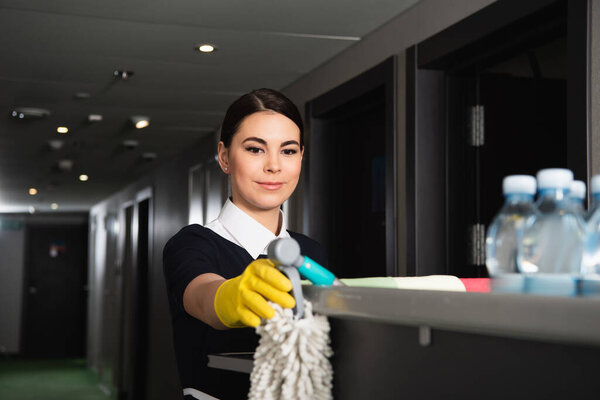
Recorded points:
(286, 251)
(294, 277)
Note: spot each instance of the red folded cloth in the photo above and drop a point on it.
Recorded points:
(476, 284)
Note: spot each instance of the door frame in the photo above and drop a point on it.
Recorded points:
(131, 370)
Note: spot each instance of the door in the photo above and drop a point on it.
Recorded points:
(354, 186)
(55, 293)
(351, 174)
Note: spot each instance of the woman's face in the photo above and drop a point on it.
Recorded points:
(264, 161)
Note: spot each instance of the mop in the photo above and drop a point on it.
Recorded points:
(292, 357)
(291, 360)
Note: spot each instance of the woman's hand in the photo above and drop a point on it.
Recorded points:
(242, 301)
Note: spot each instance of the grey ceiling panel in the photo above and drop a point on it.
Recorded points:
(53, 50)
(332, 17)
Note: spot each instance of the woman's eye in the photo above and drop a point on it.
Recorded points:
(289, 152)
(254, 150)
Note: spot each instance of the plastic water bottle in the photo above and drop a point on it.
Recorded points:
(590, 265)
(552, 246)
(595, 189)
(577, 196)
(591, 255)
(506, 231)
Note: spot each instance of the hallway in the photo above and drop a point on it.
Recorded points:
(49, 379)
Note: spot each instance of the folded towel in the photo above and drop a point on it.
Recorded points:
(431, 282)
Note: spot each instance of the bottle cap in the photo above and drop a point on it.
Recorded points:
(518, 184)
(596, 184)
(577, 190)
(554, 178)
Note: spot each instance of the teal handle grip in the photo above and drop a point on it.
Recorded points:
(314, 272)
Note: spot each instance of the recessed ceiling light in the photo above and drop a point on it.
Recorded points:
(206, 48)
(140, 121)
(65, 164)
(54, 206)
(149, 156)
(83, 177)
(94, 118)
(130, 144)
(82, 95)
(55, 144)
(62, 129)
(32, 191)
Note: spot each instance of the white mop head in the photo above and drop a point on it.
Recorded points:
(291, 360)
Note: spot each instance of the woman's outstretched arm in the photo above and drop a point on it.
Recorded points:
(199, 299)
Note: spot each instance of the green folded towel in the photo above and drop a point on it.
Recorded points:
(430, 282)
(376, 282)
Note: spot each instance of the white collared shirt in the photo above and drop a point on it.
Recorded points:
(238, 227)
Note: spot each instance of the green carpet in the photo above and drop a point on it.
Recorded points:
(24, 379)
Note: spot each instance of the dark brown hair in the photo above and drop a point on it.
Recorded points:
(256, 101)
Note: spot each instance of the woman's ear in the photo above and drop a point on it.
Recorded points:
(223, 154)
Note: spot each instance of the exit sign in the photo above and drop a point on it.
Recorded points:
(11, 225)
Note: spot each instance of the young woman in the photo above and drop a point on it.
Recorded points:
(217, 275)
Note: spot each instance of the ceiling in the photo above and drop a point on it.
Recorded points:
(53, 50)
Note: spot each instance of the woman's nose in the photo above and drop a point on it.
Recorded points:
(272, 163)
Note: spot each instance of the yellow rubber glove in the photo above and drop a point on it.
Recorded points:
(242, 301)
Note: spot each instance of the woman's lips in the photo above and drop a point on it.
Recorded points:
(270, 185)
